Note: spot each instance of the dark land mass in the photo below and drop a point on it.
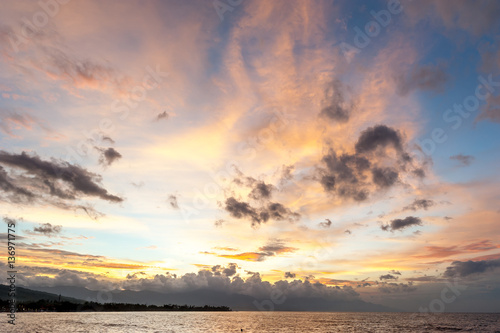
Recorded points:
(28, 300)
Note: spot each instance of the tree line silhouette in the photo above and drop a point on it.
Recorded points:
(65, 306)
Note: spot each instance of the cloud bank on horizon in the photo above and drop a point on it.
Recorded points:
(344, 150)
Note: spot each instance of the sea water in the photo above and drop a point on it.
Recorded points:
(192, 322)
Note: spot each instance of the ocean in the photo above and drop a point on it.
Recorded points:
(271, 322)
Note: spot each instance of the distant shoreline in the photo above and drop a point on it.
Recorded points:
(65, 306)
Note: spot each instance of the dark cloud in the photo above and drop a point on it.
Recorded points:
(348, 175)
(466, 268)
(344, 175)
(54, 178)
(338, 109)
(420, 204)
(400, 224)
(261, 190)
(378, 136)
(464, 160)
(172, 200)
(348, 232)
(325, 224)
(135, 275)
(384, 177)
(239, 210)
(273, 210)
(276, 247)
(8, 220)
(391, 287)
(290, 275)
(205, 287)
(388, 277)
(419, 172)
(286, 174)
(279, 212)
(108, 156)
(395, 272)
(108, 139)
(15, 193)
(328, 182)
(48, 229)
(230, 270)
(424, 279)
(164, 115)
(427, 77)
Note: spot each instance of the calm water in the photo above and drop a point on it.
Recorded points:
(192, 322)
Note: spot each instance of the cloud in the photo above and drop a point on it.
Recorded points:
(447, 251)
(419, 172)
(135, 275)
(230, 270)
(262, 209)
(272, 210)
(420, 204)
(162, 116)
(384, 177)
(54, 182)
(289, 275)
(239, 210)
(108, 156)
(54, 178)
(77, 72)
(338, 109)
(474, 17)
(48, 229)
(466, 268)
(378, 136)
(224, 248)
(172, 200)
(13, 120)
(264, 252)
(400, 224)
(343, 175)
(395, 272)
(464, 160)
(347, 231)
(426, 77)
(15, 193)
(347, 175)
(286, 174)
(108, 139)
(137, 185)
(388, 277)
(325, 224)
(391, 287)
(192, 283)
(261, 190)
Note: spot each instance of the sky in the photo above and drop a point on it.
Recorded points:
(343, 149)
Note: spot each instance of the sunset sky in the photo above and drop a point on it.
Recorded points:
(340, 143)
